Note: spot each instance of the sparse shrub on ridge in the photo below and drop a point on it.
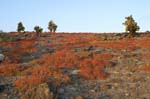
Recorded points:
(20, 27)
(52, 26)
(38, 30)
(131, 26)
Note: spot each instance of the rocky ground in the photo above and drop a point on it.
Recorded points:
(128, 77)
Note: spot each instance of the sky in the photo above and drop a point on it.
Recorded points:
(74, 15)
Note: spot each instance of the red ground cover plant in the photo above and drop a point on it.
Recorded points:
(92, 68)
(40, 74)
(41, 71)
(145, 43)
(21, 47)
(9, 70)
(15, 50)
(12, 59)
(125, 44)
(71, 41)
(60, 59)
(27, 46)
(46, 72)
(27, 83)
(64, 58)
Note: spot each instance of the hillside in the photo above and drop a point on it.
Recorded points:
(75, 66)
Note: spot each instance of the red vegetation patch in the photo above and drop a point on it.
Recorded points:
(64, 58)
(124, 44)
(145, 43)
(127, 44)
(27, 46)
(92, 68)
(92, 71)
(8, 70)
(27, 83)
(17, 49)
(60, 59)
(46, 72)
(71, 41)
(40, 74)
(21, 46)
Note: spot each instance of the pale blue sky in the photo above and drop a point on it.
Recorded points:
(74, 15)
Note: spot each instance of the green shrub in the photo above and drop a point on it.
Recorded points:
(52, 26)
(131, 26)
(20, 27)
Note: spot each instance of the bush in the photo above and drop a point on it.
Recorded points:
(131, 25)
(20, 27)
(52, 26)
(38, 30)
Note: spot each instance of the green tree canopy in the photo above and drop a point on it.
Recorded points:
(52, 26)
(130, 25)
(38, 30)
(20, 27)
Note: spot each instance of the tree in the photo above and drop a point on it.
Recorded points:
(38, 30)
(130, 25)
(52, 26)
(20, 28)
